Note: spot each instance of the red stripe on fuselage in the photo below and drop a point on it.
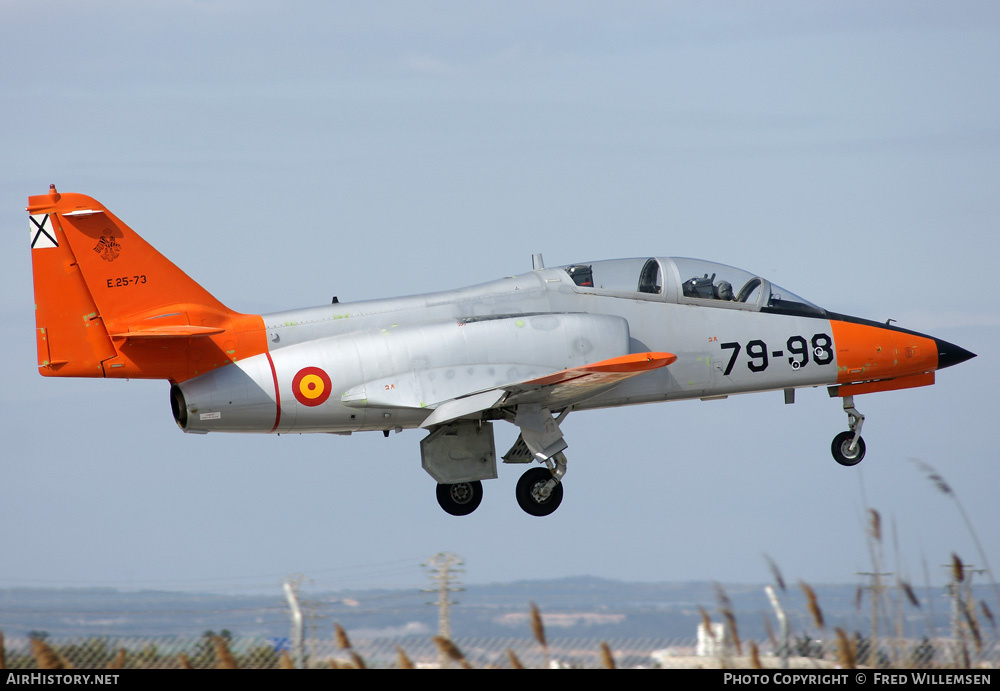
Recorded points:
(277, 394)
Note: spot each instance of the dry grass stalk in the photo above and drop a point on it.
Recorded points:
(223, 658)
(876, 525)
(755, 657)
(769, 630)
(776, 573)
(357, 661)
(403, 661)
(982, 603)
(183, 662)
(607, 659)
(726, 609)
(451, 651)
(965, 662)
(515, 663)
(706, 620)
(969, 614)
(537, 627)
(957, 569)
(285, 661)
(343, 641)
(910, 595)
(731, 623)
(45, 656)
(119, 661)
(813, 605)
(845, 650)
(934, 477)
(946, 489)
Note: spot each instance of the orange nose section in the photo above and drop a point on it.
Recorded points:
(866, 352)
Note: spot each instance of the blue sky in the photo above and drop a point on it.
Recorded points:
(285, 153)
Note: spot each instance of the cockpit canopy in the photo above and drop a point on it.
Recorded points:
(683, 280)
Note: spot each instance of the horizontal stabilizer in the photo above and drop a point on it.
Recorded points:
(84, 212)
(179, 331)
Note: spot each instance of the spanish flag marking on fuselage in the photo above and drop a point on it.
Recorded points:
(311, 386)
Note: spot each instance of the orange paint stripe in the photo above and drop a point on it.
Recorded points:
(636, 362)
(910, 382)
(613, 368)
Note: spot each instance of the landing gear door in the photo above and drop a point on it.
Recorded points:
(460, 451)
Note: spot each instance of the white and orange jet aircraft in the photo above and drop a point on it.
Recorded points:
(527, 349)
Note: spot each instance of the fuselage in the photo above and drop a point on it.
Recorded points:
(724, 345)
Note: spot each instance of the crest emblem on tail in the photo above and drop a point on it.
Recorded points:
(108, 248)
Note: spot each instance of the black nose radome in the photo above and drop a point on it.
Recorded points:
(950, 354)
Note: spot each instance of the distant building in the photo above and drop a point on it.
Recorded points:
(714, 642)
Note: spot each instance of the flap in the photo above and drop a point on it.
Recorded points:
(467, 405)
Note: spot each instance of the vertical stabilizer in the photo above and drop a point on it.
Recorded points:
(107, 304)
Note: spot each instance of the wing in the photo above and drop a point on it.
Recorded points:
(554, 390)
(458, 368)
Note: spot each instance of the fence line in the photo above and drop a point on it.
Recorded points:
(166, 652)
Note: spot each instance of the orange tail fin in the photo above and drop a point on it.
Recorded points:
(107, 304)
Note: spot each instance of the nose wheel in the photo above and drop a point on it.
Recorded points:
(848, 447)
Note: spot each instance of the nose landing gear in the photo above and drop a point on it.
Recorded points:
(848, 448)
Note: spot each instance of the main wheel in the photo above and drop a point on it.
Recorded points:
(841, 449)
(533, 479)
(461, 498)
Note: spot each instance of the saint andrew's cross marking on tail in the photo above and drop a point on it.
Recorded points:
(42, 235)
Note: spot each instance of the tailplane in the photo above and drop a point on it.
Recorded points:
(107, 304)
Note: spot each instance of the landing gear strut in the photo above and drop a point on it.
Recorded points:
(848, 447)
(539, 491)
(461, 498)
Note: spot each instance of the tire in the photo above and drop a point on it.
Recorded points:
(530, 480)
(841, 449)
(461, 498)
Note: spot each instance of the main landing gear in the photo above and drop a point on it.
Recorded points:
(461, 498)
(848, 447)
(463, 450)
(539, 491)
